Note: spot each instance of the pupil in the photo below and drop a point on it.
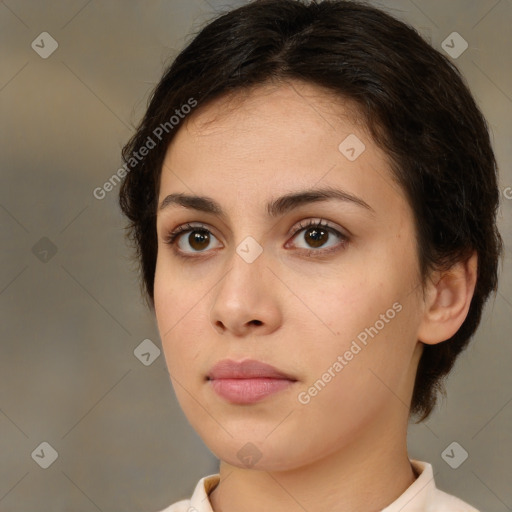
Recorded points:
(199, 240)
(316, 235)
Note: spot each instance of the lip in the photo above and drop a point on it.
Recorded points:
(247, 381)
(246, 369)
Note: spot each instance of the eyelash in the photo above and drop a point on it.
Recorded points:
(172, 237)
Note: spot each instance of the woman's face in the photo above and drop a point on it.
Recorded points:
(335, 308)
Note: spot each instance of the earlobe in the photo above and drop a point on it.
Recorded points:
(447, 301)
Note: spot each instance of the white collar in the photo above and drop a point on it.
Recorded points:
(421, 496)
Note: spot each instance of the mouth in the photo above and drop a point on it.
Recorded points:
(247, 381)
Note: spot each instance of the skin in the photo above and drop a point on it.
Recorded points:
(346, 448)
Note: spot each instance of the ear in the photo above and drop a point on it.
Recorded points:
(447, 300)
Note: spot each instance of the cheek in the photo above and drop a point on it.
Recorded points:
(175, 295)
(351, 302)
(351, 381)
(177, 309)
(372, 320)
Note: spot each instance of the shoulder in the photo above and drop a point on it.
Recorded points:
(423, 495)
(435, 500)
(179, 506)
(443, 502)
(199, 502)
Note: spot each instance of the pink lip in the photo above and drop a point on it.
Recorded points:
(247, 381)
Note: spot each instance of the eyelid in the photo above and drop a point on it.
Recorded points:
(186, 228)
(318, 221)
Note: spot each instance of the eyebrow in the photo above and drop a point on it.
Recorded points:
(275, 208)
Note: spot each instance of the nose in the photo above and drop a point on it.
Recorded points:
(245, 302)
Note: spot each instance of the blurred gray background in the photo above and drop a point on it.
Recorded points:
(71, 313)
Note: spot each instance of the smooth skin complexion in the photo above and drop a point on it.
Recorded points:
(300, 304)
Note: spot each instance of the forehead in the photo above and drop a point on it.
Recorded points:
(280, 107)
(274, 138)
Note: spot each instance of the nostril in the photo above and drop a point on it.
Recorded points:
(256, 322)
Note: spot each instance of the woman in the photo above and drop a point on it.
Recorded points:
(312, 195)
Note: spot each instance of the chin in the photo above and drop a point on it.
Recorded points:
(264, 455)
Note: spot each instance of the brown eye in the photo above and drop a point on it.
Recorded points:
(191, 239)
(316, 237)
(199, 239)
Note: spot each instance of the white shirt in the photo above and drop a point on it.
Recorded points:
(421, 496)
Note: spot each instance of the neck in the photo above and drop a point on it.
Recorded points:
(366, 475)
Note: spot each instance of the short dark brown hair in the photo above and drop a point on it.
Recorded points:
(413, 100)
